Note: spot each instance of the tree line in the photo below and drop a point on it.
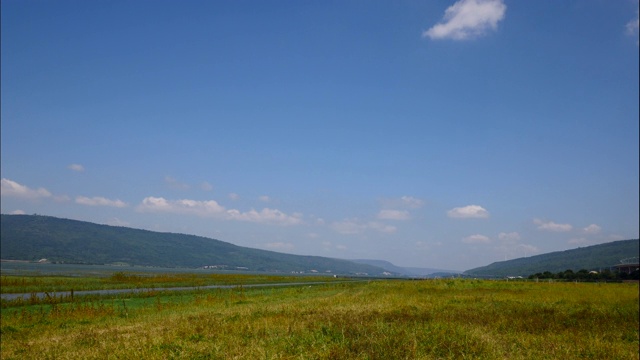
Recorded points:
(586, 275)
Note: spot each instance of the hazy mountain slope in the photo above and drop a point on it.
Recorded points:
(32, 237)
(591, 258)
(408, 271)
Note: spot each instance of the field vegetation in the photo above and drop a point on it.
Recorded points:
(132, 280)
(384, 319)
(586, 275)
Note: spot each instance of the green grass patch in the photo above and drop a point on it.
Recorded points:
(126, 280)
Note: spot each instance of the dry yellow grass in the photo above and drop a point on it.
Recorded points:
(442, 319)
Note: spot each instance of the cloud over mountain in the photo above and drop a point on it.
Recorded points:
(14, 189)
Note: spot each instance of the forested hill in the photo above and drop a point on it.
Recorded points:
(594, 257)
(34, 237)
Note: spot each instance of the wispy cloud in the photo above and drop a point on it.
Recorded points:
(175, 184)
(469, 211)
(412, 202)
(467, 19)
(266, 215)
(404, 202)
(551, 226)
(528, 249)
(264, 198)
(14, 189)
(352, 227)
(509, 238)
(76, 167)
(394, 215)
(211, 208)
(182, 206)
(348, 227)
(17, 212)
(632, 27)
(205, 186)
(476, 239)
(100, 201)
(592, 229)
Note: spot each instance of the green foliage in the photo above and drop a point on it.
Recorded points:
(124, 280)
(597, 257)
(34, 237)
(586, 275)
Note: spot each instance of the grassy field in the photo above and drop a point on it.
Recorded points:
(129, 280)
(386, 319)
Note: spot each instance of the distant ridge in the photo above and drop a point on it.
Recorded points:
(596, 257)
(407, 271)
(35, 237)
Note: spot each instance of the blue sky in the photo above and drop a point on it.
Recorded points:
(436, 134)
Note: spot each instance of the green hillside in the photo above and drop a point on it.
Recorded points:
(34, 237)
(593, 257)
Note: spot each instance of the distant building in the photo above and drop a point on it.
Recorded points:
(627, 265)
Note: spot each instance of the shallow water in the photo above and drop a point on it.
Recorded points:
(43, 295)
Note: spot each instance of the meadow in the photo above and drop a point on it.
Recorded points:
(377, 319)
(129, 280)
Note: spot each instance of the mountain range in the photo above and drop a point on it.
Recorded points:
(407, 271)
(595, 257)
(36, 237)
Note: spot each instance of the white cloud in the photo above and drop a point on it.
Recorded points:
(470, 211)
(17, 212)
(467, 19)
(476, 239)
(211, 208)
(264, 198)
(509, 238)
(592, 229)
(205, 186)
(234, 196)
(100, 201)
(266, 215)
(12, 188)
(393, 215)
(551, 226)
(184, 206)
(175, 184)
(352, 227)
(76, 167)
